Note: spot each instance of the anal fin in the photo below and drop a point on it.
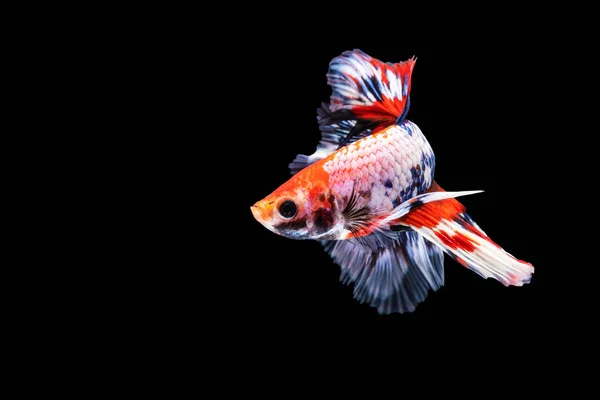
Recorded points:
(393, 279)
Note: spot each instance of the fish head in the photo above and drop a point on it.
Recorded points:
(284, 212)
(299, 209)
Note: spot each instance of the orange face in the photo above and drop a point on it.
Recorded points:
(301, 208)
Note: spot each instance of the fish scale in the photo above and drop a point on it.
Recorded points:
(390, 166)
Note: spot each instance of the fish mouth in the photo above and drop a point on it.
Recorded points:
(257, 212)
(260, 211)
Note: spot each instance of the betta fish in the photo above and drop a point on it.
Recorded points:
(368, 194)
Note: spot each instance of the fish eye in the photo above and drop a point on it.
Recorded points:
(288, 209)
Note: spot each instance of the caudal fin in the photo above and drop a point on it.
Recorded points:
(446, 224)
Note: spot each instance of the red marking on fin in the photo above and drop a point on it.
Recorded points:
(461, 262)
(383, 112)
(376, 92)
(457, 241)
(429, 215)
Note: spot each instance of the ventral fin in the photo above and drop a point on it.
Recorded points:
(417, 201)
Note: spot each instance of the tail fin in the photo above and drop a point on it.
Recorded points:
(446, 224)
(374, 93)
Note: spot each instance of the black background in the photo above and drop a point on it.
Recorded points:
(199, 113)
(222, 118)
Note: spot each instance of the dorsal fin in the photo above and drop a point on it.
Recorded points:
(367, 95)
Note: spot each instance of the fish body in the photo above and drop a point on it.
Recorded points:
(368, 194)
(383, 170)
